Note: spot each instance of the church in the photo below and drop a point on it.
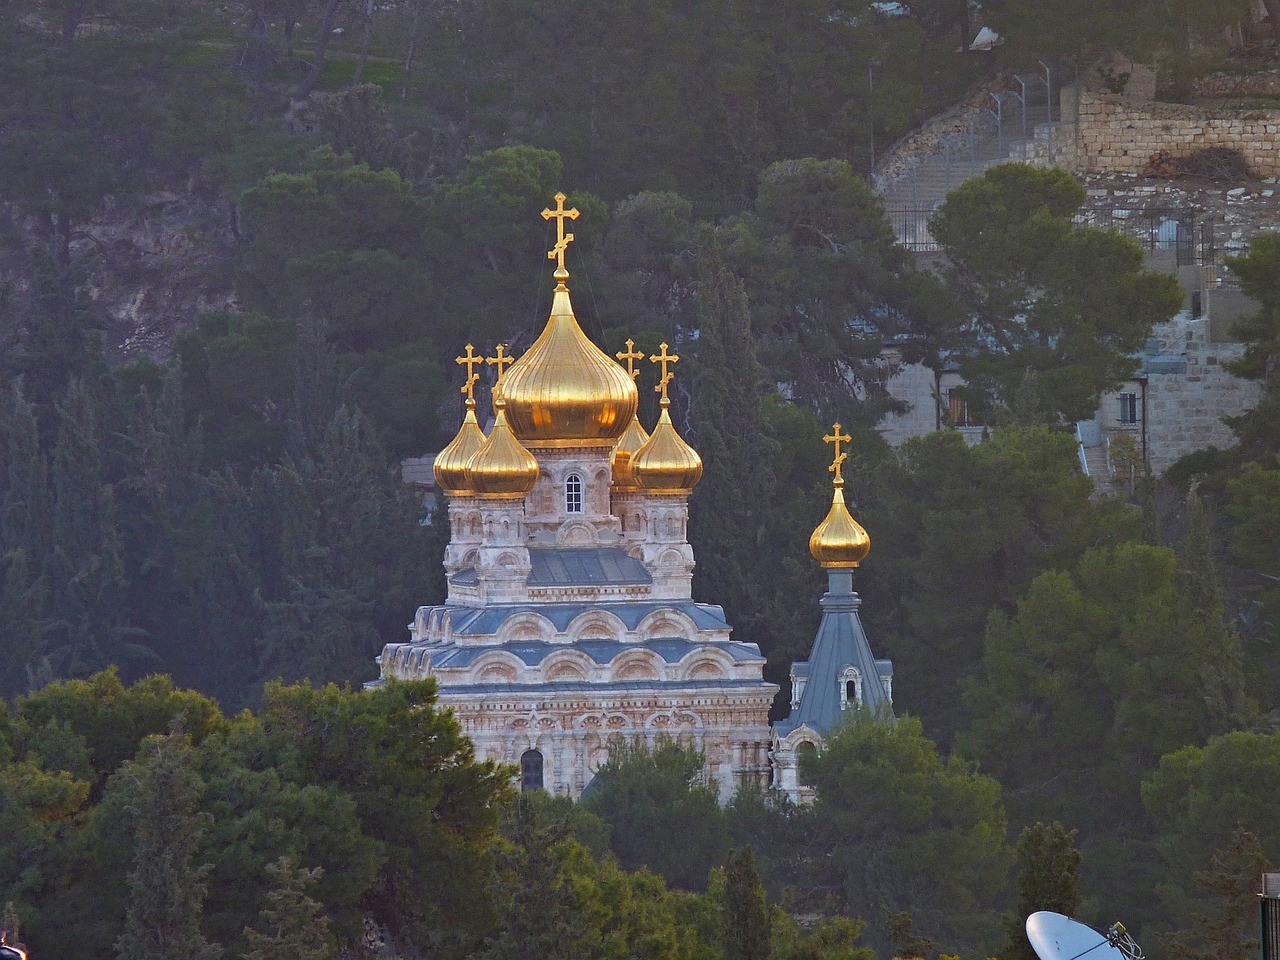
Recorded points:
(570, 620)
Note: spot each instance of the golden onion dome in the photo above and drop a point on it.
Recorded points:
(632, 439)
(502, 467)
(450, 467)
(666, 464)
(565, 391)
(839, 542)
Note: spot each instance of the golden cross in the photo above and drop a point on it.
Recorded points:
(470, 360)
(631, 355)
(838, 438)
(664, 358)
(562, 239)
(502, 361)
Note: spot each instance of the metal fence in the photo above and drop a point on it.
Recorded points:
(1189, 234)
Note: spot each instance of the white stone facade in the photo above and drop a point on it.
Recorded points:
(570, 622)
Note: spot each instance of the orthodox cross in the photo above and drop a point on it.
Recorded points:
(470, 360)
(501, 361)
(836, 439)
(631, 355)
(664, 358)
(562, 239)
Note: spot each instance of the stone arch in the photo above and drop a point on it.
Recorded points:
(508, 560)
(567, 666)
(596, 625)
(671, 558)
(576, 534)
(470, 558)
(706, 665)
(636, 665)
(667, 623)
(496, 667)
(526, 626)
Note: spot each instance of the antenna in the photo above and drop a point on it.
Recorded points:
(1055, 937)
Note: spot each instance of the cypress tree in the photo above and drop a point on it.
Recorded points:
(166, 889)
(1048, 879)
(747, 928)
(291, 926)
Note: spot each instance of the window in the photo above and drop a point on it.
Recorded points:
(850, 687)
(530, 770)
(958, 410)
(573, 493)
(1128, 408)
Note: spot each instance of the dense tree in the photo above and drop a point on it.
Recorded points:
(1199, 796)
(820, 266)
(746, 914)
(290, 926)
(647, 796)
(1227, 929)
(160, 790)
(1048, 879)
(1071, 304)
(897, 827)
(1261, 334)
(958, 530)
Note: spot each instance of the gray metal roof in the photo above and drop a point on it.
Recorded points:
(486, 621)
(584, 566)
(840, 643)
(532, 652)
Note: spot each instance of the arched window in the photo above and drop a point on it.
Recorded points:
(573, 493)
(530, 770)
(850, 687)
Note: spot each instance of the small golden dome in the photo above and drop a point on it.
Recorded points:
(565, 391)
(450, 467)
(501, 467)
(666, 464)
(839, 542)
(632, 439)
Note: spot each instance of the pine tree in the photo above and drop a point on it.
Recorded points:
(1226, 929)
(1048, 879)
(290, 926)
(166, 889)
(747, 928)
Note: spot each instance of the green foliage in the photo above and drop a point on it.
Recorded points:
(1261, 334)
(1199, 795)
(1228, 930)
(819, 264)
(1071, 304)
(1048, 879)
(1254, 505)
(291, 925)
(647, 796)
(160, 792)
(747, 924)
(897, 827)
(958, 531)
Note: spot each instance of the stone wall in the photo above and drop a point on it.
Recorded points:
(1188, 394)
(1113, 134)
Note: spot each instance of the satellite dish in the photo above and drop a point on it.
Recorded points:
(11, 953)
(1055, 937)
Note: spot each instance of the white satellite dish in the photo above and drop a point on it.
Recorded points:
(1055, 937)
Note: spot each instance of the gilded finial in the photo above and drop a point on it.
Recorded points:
(665, 359)
(470, 360)
(836, 438)
(630, 356)
(501, 360)
(563, 239)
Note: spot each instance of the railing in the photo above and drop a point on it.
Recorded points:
(1187, 233)
(1084, 461)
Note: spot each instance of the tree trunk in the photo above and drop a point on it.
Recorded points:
(303, 90)
(366, 37)
(412, 48)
